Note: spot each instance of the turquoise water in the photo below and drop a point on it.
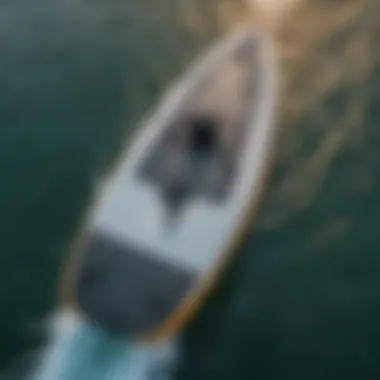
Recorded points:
(77, 350)
(80, 351)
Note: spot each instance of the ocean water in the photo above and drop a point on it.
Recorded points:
(302, 301)
(76, 77)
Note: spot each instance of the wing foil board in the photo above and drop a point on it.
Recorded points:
(170, 215)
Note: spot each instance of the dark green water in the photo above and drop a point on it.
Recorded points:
(75, 76)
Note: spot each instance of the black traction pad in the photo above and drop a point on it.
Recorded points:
(125, 290)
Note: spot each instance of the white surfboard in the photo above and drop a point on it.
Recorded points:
(175, 207)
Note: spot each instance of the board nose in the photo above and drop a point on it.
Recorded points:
(126, 291)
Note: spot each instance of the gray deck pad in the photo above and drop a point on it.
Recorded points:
(126, 291)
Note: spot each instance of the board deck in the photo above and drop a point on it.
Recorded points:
(175, 208)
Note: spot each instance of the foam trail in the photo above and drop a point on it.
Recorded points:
(79, 351)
